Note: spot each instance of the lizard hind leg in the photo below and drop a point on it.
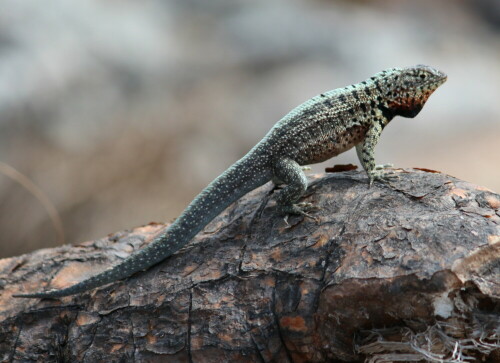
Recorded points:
(290, 173)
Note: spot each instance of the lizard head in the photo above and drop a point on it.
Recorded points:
(407, 89)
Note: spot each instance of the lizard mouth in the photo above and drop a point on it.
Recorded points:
(436, 78)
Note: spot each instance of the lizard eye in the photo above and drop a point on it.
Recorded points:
(422, 76)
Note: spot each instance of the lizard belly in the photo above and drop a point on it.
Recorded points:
(328, 146)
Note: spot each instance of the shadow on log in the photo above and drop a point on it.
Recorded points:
(404, 272)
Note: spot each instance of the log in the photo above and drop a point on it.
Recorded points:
(401, 272)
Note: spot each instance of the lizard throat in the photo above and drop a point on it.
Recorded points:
(407, 107)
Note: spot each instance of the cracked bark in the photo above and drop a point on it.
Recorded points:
(251, 288)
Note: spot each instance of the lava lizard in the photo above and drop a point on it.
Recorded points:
(320, 128)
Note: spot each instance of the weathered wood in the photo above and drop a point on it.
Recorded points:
(383, 269)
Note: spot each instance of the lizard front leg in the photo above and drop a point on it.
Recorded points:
(289, 172)
(366, 154)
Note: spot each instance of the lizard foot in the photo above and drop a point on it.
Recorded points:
(384, 178)
(297, 209)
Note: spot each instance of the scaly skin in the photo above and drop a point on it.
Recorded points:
(320, 128)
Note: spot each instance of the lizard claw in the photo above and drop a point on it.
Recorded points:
(384, 178)
(297, 209)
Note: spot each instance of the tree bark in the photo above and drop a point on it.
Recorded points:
(406, 271)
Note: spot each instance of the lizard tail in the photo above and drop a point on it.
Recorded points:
(242, 177)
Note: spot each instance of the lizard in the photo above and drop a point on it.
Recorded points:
(317, 130)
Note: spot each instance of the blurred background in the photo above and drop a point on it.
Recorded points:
(120, 112)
